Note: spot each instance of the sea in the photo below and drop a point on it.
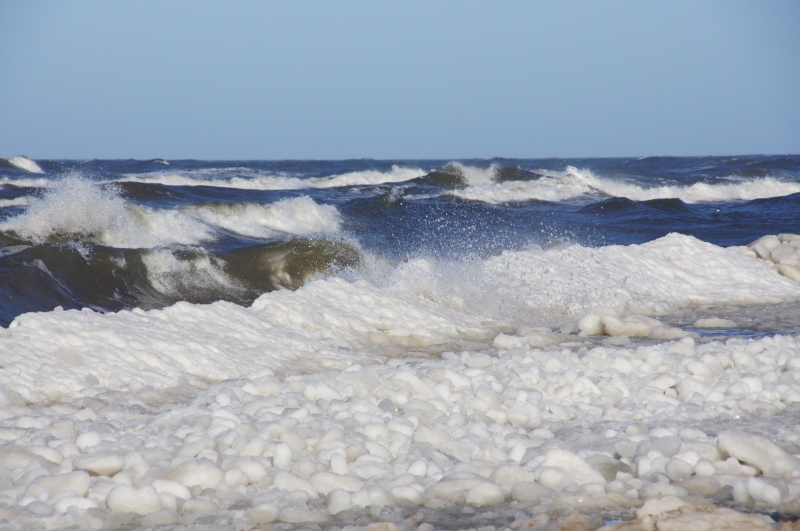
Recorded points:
(422, 344)
(120, 234)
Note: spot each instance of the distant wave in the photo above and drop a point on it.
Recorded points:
(250, 179)
(17, 202)
(75, 209)
(299, 216)
(21, 163)
(40, 182)
(573, 183)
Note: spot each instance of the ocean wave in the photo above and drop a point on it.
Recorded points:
(574, 183)
(546, 185)
(299, 216)
(78, 275)
(22, 163)
(76, 209)
(40, 182)
(253, 179)
(16, 202)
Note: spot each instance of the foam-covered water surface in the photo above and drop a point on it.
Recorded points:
(420, 344)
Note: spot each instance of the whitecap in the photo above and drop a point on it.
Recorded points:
(300, 216)
(76, 208)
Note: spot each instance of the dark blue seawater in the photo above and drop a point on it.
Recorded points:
(116, 234)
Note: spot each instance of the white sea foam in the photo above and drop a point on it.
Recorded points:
(299, 216)
(77, 207)
(250, 179)
(575, 183)
(316, 406)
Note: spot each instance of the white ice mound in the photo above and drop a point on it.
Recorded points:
(334, 308)
(783, 251)
(26, 164)
(327, 324)
(674, 271)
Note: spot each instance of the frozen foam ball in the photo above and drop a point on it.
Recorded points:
(88, 439)
(763, 246)
(758, 451)
(338, 501)
(203, 473)
(761, 491)
(744, 361)
(790, 271)
(289, 482)
(124, 499)
(254, 470)
(677, 469)
(590, 324)
(631, 326)
(704, 467)
(77, 482)
(200, 506)
(527, 491)
(327, 482)
(657, 506)
(553, 478)
(65, 504)
(47, 453)
(236, 478)
(406, 496)
(99, 464)
(484, 494)
(510, 475)
(282, 457)
(263, 513)
(668, 445)
(174, 488)
(561, 468)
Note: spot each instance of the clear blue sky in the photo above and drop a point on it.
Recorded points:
(245, 79)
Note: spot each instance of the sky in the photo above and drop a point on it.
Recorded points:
(257, 79)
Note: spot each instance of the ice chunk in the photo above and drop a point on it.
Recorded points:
(202, 472)
(758, 451)
(483, 494)
(562, 468)
(99, 464)
(124, 499)
(77, 482)
(338, 501)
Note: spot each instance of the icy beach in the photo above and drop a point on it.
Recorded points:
(536, 344)
(345, 403)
